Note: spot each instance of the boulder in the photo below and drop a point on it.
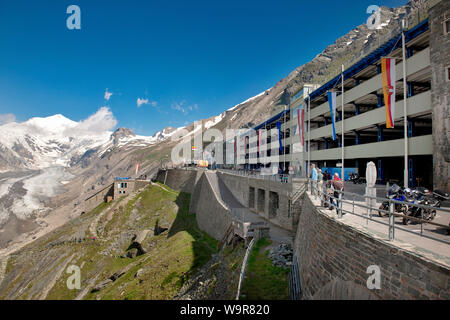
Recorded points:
(117, 275)
(101, 285)
(132, 253)
(139, 273)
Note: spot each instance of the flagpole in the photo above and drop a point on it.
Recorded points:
(309, 134)
(342, 124)
(285, 128)
(405, 102)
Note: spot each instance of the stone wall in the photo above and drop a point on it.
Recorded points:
(328, 251)
(240, 187)
(99, 197)
(132, 185)
(440, 61)
(213, 217)
(179, 179)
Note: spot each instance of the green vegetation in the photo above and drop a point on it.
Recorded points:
(263, 280)
(172, 257)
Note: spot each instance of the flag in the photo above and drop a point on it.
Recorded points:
(300, 121)
(137, 168)
(259, 135)
(245, 145)
(279, 135)
(332, 102)
(303, 124)
(388, 77)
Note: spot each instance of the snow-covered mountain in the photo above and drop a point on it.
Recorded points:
(58, 141)
(44, 142)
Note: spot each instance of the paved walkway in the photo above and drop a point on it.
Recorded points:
(429, 248)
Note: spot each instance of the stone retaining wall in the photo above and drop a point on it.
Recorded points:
(329, 250)
(240, 187)
(213, 217)
(179, 179)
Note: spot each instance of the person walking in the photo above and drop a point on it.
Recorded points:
(336, 185)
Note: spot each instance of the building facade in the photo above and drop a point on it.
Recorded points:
(302, 133)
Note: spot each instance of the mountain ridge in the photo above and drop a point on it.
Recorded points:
(95, 164)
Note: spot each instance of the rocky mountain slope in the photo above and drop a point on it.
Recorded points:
(143, 246)
(91, 158)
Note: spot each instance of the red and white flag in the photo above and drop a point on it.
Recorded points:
(388, 77)
(259, 137)
(137, 168)
(300, 120)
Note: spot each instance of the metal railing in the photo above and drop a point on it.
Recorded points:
(295, 289)
(244, 266)
(283, 178)
(344, 198)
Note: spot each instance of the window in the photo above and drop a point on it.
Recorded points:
(446, 26)
(448, 73)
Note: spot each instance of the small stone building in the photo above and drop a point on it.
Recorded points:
(120, 187)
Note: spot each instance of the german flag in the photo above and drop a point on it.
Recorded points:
(388, 77)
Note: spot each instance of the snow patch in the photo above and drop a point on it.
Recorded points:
(216, 120)
(248, 100)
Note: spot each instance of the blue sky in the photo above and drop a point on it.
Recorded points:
(190, 59)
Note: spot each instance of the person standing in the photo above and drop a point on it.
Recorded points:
(320, 183)
(314, 177)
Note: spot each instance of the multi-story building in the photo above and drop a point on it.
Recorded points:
(366, 137)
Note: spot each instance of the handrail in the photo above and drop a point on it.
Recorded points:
(343, 198)
(244, 266)
(283, 178)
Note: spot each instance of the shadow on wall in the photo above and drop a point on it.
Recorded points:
(338, 289)
(203, 245)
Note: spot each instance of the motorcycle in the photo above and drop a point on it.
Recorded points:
(395, 193)
(425, 197)
(356, 179)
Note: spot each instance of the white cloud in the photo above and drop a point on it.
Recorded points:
(140, 102)
(101, 121)
(108, 94)
(7, 118)
(181, 106)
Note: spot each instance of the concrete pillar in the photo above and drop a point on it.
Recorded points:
(380, 133)
(410, 128)
(440, 60)
(266, 205)
(380, 170)
(380, 101)
(410, 89)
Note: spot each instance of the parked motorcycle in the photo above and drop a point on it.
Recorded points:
(395, 192)
(425, 197)
(356, 179)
